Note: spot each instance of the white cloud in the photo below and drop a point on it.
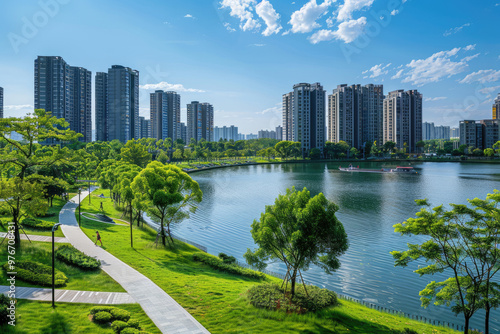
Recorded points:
(378, 70)
(168, 86)
(435, 98)
(470, 47)
(241, 9)
(482, 76)
(304, 19)
(273, 110)
(258, 45)
(189, 16)
(18, 107)
(349, 6)
(455, 30)
(266, 12)
(350, 30)
(488, 90)
(228, 27)
(398, 75)
(469, 58)
(434, 68)
(395, 12)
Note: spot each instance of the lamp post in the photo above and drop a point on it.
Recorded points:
(53, 268)
(79, 205)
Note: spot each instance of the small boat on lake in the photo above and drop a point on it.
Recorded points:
(397, 170)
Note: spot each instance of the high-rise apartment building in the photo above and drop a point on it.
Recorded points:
(355, 114)
(226, 133)
(183, 130)
(145, 127)
(402, 119)
(1, 102)
(122, 104)
(266, 134)
(101, 106)
(454, 133)
(471, 134)
(279, 132)
(496, 107)
(200, 121)
(66, 92)
(165, 115)
(307, 121)
(491, 132)
(429, 131)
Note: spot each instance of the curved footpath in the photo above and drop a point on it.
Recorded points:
(163, 310)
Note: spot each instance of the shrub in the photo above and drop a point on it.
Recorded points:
(96, 309)
(4, 312)
(130, 330)
(133, 323)
(119, 314)
(227, 259)
(73, 256)
(219, 264)
(271, 297)
(102, 317)
(118, 325)
(411, 331)
(37, 273)
(37, 224)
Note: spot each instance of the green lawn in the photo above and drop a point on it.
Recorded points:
(77, 279)
(39, 317)
(218, 300)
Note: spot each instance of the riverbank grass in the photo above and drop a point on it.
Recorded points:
(218, 300)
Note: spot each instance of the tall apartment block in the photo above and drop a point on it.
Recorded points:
(306, 105)
(145, 127)
(183, 131)
(429, 131)
(200, 121)
(496, 107)
(65, 91)
(279, 132)
(491, 132)
(165, 115)
(121, 105)
(454, 133)
(267, 134)
(101, 106)
(226, 133)
(1, 102)
(402, 119)
(355, 114)
(471, 134)
(287, 116)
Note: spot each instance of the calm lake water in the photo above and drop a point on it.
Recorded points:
(370, 204)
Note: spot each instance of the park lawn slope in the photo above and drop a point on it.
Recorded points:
(39, 317)
(218, 300)
(78, 279)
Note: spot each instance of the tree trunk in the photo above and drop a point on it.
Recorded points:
(162, 233)
(169, 234)
(466, 329)
(138, 217)
(294, 277)
(17, 235)
(131, 223)
(487, 319)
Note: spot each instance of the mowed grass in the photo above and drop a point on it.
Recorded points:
(78, 279)
(218, 300)
(39, 317)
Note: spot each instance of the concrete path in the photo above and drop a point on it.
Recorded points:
(164, 311)
(33, 237)
(70, 296)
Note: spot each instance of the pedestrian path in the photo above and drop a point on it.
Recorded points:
(163, 310)
(33, 237)
(70, 296)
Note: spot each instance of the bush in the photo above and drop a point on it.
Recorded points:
(271, 297)
(96, 309)
(133, 323)
(118, 326)
(219, 264)
(119, 314)
(4, 312)
(102, 317)
(37, 273)
(37, 224)
(227, 259)
(73, 256)
(129, 330)
(411, 331)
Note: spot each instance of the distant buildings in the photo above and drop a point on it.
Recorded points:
(165, 115)
(429, 131)
(279, 132)
(304, 116)
(65, 91)
(266, 134)
(496, 107)
(226, 133)
(454, 133)
(251, 136)
(183, 130)
(200, 121)
(402, 119)
(355, 114)
(101, 106)
(1, 102)
(471, 134)
(145, 127)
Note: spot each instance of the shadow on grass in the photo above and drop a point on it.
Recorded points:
(56, 323)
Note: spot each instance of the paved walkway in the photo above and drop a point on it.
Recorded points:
(71, 296)
(33, 237)
(163, 310)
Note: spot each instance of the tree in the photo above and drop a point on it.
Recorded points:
(368, 148)
(298, 230)
(489, 152)
(420, 145)
(315, 153)
(477, 152)
(283, 148)
(389, 146)
(135, 153)
(167, 192)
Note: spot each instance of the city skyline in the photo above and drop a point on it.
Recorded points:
(245, 67)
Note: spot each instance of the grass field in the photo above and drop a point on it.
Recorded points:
(218, 300)
(77, 279)
(39, 317)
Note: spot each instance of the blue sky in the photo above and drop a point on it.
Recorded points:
(242, 55)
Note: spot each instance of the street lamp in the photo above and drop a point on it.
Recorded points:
(53, 268)
(79, 205)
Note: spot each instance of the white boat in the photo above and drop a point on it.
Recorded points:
(403, 170)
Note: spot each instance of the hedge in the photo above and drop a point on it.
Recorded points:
(37, 273)
(219, 264)
(227, 259)
(4, 312)
(120, 314)
(96, 309)
(37, 224)
(102, 317)
(73, 256)
(119, 325)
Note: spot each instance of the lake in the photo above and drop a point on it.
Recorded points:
(370, 204)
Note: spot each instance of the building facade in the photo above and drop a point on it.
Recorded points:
(101, 106)
(429, 131)
(1, 102)
(279, 132)
(471, 134)
(287, 113)
(122, 104)
(66, 92)
(145, 127)
(266, 134)
(226, 133)
(402, 119)
(200, 121)
(454, 133)
(165, 115)
(496, 108)
(183, 130)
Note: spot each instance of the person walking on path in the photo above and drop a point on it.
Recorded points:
(98, 238)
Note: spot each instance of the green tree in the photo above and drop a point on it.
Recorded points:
(167, 192)
(127, 176)
(314, 153)
(389, 146)
(489, 152)
(135, 153)
(298, 230)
